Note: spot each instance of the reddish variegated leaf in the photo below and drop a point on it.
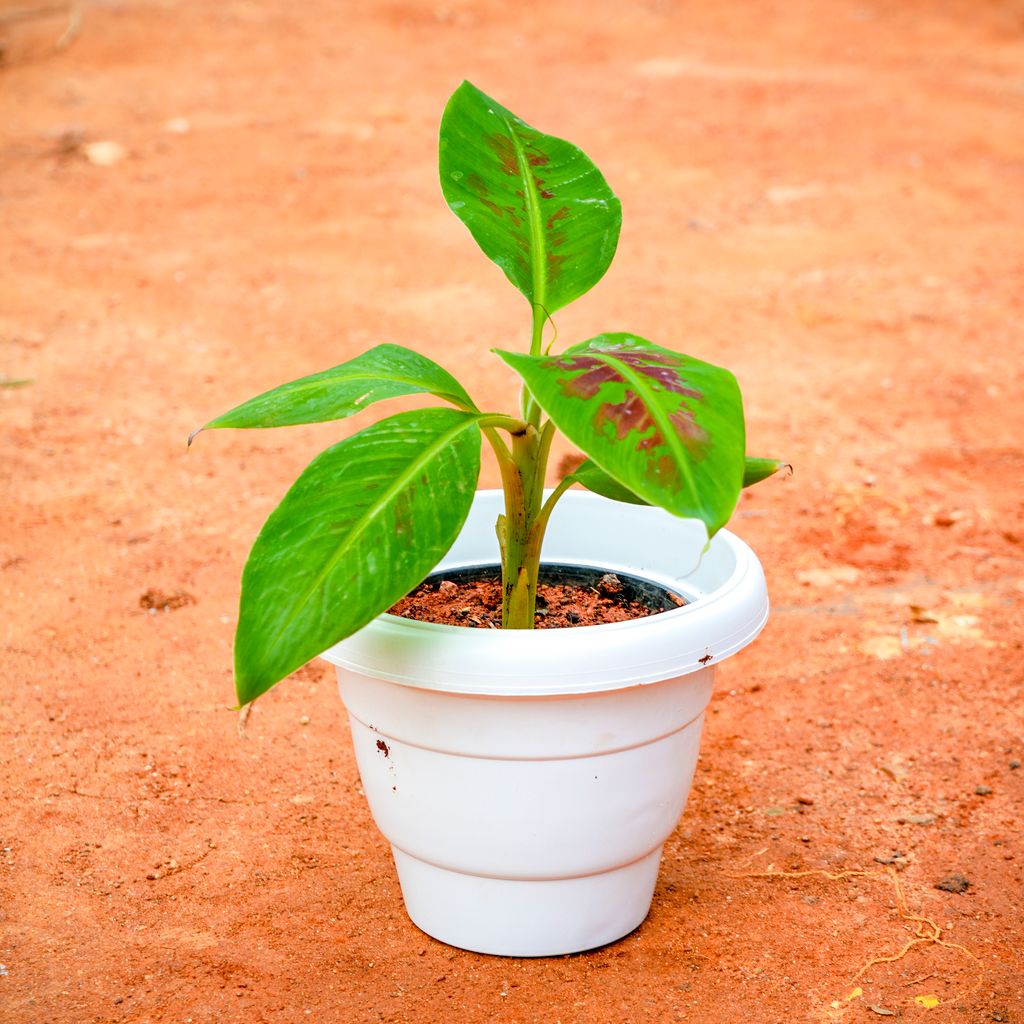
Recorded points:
(665, 426)
(536, 205)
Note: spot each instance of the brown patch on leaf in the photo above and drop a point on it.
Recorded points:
(505, 151)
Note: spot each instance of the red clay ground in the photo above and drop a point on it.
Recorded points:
(828, 198)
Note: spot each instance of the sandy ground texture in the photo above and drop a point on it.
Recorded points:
(202, 200)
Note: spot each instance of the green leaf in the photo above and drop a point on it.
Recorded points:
(597, 480)
(535, 204)
(756, 470)
(384, 371)
(665, 426)
(365, 522)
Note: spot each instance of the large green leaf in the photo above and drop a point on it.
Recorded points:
(590, 475)
(665, 426)
(384, 371)
(535, 204)
(365, 522)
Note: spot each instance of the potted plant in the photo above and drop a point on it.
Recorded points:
(526, 779)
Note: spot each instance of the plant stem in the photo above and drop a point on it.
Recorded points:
(501, 422)
(537, 336)
(521, 529)
(541, 525)
(522, 506)
(530, 409)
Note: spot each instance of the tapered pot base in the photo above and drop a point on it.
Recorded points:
(526, 918)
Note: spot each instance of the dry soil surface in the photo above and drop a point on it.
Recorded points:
(826, 197)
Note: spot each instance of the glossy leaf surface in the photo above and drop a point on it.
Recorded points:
(365, 522)
(665, 426)
(384, 371)
(536, 204)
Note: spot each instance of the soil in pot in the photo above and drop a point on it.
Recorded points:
(566, 596)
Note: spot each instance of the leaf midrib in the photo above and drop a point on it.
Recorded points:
(405, 381)
(661, 420)
(538, 248)
(368, 517)
(300, 387)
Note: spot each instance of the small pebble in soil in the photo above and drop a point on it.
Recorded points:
(953, 883)
(1014, 764)
(448, 588)
(807, 801)
(982, 790)
(917, 819)
(894, 858)
(609, 583)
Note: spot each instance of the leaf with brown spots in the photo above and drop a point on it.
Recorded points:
(536, 205)
(666, 427)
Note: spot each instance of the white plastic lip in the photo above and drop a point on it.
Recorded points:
(725, 586)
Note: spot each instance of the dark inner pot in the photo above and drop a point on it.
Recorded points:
(567, 595)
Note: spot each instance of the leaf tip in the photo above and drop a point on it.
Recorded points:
(195, 433)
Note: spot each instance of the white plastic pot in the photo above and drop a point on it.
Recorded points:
(527, 780)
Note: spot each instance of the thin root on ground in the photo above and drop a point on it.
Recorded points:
(926, 931)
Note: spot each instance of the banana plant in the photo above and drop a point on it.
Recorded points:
(371, 516)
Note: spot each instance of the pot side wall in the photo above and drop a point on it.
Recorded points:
(529, 789)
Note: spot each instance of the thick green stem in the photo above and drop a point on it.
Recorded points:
(521, 528)
(521, 562)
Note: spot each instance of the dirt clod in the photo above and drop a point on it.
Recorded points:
(917, 819)
(157, 600)
(953, 883)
